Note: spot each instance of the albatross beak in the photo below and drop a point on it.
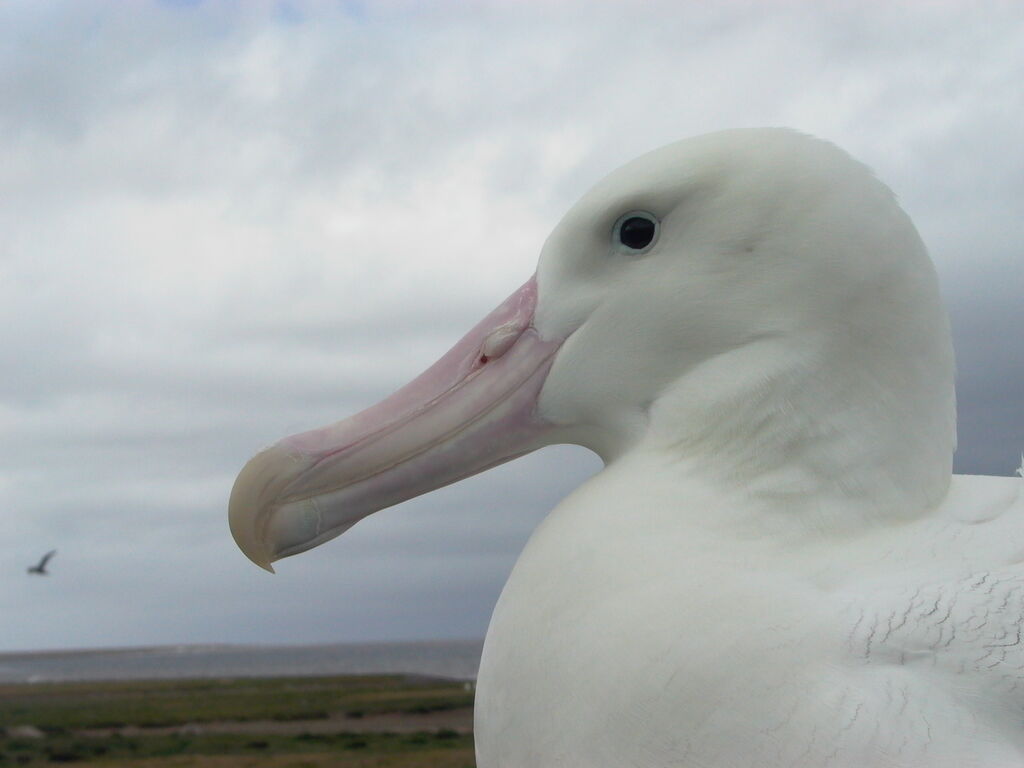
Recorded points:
(473, 409)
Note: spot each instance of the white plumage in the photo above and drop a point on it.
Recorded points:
(653, 633)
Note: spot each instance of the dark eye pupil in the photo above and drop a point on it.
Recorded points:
(636, 232)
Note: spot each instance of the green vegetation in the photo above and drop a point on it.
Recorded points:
(160, 724)
(175, 702)
(69, 748)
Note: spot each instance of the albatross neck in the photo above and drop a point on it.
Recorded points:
(871, 445)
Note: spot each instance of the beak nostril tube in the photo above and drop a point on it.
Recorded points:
(500, 340)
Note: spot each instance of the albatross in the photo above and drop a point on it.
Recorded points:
(776, 566)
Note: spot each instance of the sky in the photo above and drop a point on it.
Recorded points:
(225, 222)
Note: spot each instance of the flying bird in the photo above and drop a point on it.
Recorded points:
(40, 567)
(776, 566)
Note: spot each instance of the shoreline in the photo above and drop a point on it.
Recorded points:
(450, 659)
(254, 646)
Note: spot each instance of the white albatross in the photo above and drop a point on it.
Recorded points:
(775, 567)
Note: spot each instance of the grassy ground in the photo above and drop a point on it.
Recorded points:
(284, 723)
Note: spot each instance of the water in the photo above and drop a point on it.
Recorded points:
(456, 659)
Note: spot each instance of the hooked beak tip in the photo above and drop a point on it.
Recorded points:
(256, 489)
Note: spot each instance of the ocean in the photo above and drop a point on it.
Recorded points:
(457, 659)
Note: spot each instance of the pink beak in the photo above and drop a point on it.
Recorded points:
(473, 409)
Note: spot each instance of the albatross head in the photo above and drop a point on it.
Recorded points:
(751, 303)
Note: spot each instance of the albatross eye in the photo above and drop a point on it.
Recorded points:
(635, 231)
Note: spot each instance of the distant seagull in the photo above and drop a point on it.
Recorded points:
(40, 568)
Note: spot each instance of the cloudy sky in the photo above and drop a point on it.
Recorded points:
(226, 222)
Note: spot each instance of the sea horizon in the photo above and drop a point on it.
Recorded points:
(448, 658)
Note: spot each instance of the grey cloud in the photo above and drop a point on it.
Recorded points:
(222, 227)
